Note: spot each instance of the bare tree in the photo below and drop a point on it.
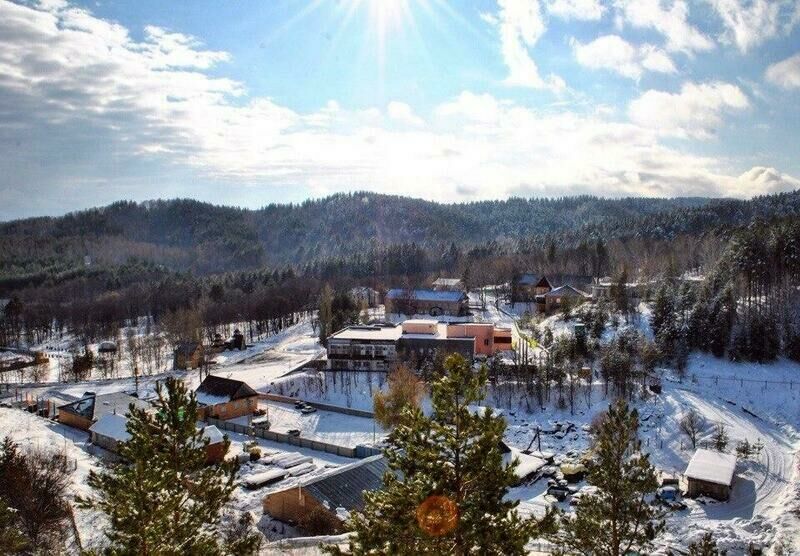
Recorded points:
(692, 424)
(34, 484)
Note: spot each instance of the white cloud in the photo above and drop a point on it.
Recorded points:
(521, 25)
(588, 10)
(749, 24)
(614, 53)
(79, 93)
(669, 19)
(694, 112)
(403, 113)
(760, 180)
(785, 73)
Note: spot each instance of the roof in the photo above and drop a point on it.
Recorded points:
(112, 426)
(530, 279)
(93, 407)
(386, 333)
(344, 487)
(116, 426)
(565, 290)
(711, 467)
(213, 434)
(217, 389)
(426, 295)
(447, 282)
(187, 348)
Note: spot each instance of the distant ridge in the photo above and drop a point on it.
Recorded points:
(184, 234)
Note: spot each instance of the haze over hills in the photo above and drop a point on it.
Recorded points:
(185, 234)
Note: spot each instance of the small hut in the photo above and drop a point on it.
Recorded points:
(710, 473)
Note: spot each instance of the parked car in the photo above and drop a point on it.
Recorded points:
(667, 493)
(299, 404)
(308, 409)
(558, 492)
(293, 432)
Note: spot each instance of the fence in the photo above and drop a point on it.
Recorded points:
(299, 441)
(318, 405)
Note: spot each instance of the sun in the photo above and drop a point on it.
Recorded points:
(387, 15)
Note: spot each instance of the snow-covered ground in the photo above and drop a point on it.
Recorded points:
(764, 507)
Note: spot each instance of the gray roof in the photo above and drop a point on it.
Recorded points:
(94, 407)
(568, 291)
(529, 279)
(426, 295)
(345, 487)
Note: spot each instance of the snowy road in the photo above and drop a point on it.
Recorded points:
(759, 483)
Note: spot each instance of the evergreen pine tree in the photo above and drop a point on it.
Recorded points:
(164, 499)
(12, 540)
(445, 491)
(720, 438)
(616, 520)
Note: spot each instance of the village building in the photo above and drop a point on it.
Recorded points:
(603, 288)
(379, 347)
(427, 302)
(111, 430)
(321, 504)
(84, 412)
(188, 355)
(364, 348)
(448, 285)
(365, 296)
(557, 298)
(224, 398)
(538, 288)
(710, 473)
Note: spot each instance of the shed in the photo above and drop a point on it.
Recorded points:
(109, 431)
(710, 473)
(318, 504)
(225, 398)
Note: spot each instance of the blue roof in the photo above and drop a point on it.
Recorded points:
(426, 295)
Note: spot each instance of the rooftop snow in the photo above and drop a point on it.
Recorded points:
(113, 426)
(369, 333)
(425, 295)
(712, 467)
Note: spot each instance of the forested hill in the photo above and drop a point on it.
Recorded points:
(204, 238)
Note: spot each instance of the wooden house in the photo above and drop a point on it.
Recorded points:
(320, 504)
(710, 473)
(83, 413)
(188, 355)
(225, 398)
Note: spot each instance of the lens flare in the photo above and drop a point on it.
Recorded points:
(437, 515)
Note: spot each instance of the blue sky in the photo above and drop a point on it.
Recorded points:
(278, 101)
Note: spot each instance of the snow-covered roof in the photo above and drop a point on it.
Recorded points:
(390, 333)
(565, 290)
(426, 295)
(113, 426)
(712, 467)
(218, 389)
(447, 282)
(213, 434)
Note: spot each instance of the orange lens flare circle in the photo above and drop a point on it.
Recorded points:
(437, 515)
